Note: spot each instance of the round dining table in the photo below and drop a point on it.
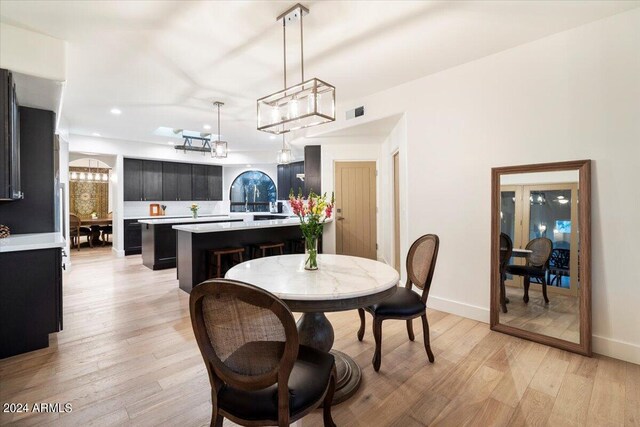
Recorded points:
(340, 283)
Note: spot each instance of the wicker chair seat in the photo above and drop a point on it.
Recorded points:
(307, 385)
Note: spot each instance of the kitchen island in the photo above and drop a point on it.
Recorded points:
(159, 238)
(195, 241)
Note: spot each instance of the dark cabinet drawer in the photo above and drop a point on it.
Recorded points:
(132, 237)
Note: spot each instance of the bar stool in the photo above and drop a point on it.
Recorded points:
(268, 248)
(296, 245)
(217, 254)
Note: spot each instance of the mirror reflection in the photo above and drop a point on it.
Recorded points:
(539, 252)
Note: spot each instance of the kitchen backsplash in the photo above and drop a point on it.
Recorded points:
(133, 209)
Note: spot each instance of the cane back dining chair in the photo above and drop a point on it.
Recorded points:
(536, 265)
(259, 373)
(506, 248)
(406, 304)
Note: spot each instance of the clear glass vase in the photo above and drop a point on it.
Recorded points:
(311, 253)
(194, 214)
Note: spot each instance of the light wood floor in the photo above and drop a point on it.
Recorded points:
(560, 318)
(127, 357)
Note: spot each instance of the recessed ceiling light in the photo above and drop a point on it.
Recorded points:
(248, 166)
(272, 137)
(95, 134)
(207, 127)
(116, 111)
(170, 142)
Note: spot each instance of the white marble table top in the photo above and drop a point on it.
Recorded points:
(338, 277)
(31, 241)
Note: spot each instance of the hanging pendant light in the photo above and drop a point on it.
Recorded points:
(284, 155)
(308, 103)
(219, 148)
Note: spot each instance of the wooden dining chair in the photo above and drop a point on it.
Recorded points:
(536, 266)
(406, 304)
(259, 373)
(76, 230)
(506, 249)
(107, 230)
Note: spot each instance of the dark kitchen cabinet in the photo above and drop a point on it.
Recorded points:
(199, 182)
(132, 237)
(132, 180)
(10, 188)
(176, 181)
(287, 179)
(312, 169)
(214, 182)
(30, 299)
(151, 180)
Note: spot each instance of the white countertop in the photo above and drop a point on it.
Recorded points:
(169, 216)
(162, 220)
(31, 241)
(337, 277)
(233, 226)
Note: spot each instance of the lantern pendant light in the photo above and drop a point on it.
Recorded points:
(308, 103)
(284, 155)
(219, 148)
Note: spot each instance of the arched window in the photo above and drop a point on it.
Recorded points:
(252, 191)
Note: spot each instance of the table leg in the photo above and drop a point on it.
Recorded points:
(315, 330)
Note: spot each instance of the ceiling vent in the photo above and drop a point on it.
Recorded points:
(356, 112)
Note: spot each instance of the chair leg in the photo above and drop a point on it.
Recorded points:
(412, 337)
(544, 290)
(377, 335)
(503, 294)
(326, 404)
(362, 324)
(219, 269)
(526, 289)
(425, 332)
(216, 419)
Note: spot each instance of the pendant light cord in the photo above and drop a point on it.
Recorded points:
(284, 46)
(301, 47)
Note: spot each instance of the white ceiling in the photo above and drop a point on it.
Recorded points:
(163, 62)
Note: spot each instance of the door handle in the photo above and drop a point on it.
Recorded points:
(340, 218)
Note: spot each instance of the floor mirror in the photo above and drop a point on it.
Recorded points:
(541, 253)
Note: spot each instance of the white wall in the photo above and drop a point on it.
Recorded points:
(573, 95)
(32, 53)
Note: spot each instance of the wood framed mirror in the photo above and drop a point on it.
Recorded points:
(541, 253)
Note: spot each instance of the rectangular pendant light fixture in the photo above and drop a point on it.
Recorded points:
(309, 103)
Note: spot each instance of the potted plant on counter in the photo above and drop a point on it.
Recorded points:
(312, 213)
(194, 210)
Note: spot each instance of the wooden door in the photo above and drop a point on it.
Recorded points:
(356, 209)
(396, 211)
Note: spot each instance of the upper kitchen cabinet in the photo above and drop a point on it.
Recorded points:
(312, 169)
(288, 179)
(151, 180)
(176, 181)
(214, 182)
(200, 184)
(9, 139)
(132, 180)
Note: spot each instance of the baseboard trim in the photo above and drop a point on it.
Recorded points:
(617, 349)
(474, 312)
(119, 253)
(622, 350)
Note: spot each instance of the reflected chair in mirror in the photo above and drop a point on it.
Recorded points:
(558, 266)
(535, 267)
(506, 247)
(107, 230)
(76, 230)
(406, 304)
(259, 373)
